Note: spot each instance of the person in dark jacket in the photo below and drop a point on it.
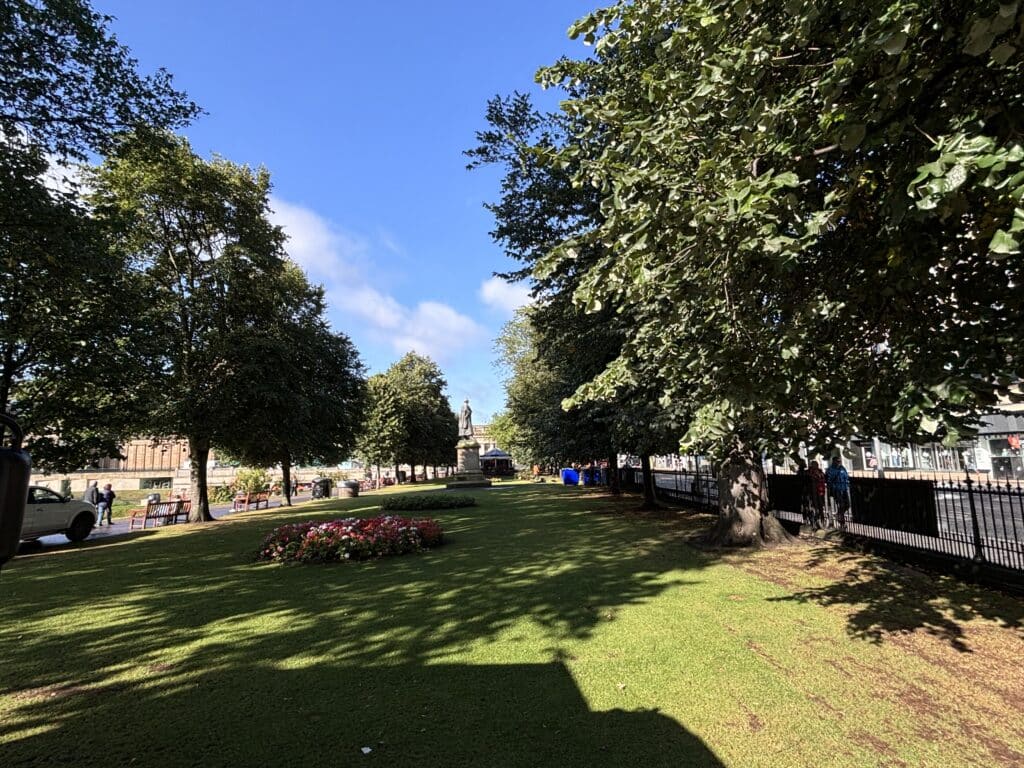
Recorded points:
(838, 482)
(92, 492)
(105, 505)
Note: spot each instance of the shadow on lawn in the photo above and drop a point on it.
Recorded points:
(889, 598)
(439, 715)
(519, 555)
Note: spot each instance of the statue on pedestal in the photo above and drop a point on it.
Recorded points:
(468, 474)
(466, 421)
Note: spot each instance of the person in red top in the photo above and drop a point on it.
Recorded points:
(816, 479)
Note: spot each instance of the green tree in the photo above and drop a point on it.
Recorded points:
(810, 213)
(565, 346)
(383, 432)
(537, 380)
(67, 367)
(307, 380)
(210, 257)
(68, 85)
(65, 303)
(425, 416)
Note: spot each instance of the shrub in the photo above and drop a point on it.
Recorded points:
(218, 494)
(351, 538)
(252, 480)
(416, 502)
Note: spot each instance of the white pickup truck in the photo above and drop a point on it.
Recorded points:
(48, 512)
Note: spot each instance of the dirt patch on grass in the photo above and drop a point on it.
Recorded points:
(878, 746)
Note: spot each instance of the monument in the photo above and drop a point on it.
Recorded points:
(468, 474)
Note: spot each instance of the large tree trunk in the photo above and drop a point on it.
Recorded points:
(397, 479)
(199, 454)
(613, 472)
(743, 518)
(412, 472)
(650, 500)
(286, 478)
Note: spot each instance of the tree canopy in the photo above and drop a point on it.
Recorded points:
(806, 215)
(409, 420)
(67, 88)
(66, 302)
(210, 258)
(68, 85)
(305, 382)
(809, 211)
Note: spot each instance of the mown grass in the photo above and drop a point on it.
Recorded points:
(555, 627)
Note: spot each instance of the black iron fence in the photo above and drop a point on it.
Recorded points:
(967, 519)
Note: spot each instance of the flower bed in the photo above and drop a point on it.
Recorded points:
(417, 502)
(351, 538)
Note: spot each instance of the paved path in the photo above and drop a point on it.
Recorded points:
(120, 526)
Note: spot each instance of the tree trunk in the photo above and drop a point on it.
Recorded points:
(613, 473)
(650, 500)
(286, 478)
(412, 472)
(397, 480)
(199, 454)
(378, 477)
(743, 518)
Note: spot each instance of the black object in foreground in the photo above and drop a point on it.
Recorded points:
(15, 469)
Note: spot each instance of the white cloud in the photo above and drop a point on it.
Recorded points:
(437, 330)
(503, 295)
(327, 254)
(335, 258)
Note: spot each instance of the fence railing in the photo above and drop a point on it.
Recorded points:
(979, 521)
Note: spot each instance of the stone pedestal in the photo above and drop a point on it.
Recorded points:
(468, 474)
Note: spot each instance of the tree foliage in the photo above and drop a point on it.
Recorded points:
(382, 435)
(68, 85)
(809, 211)
(306, 381)
(409, 420)
(429, 427)
(67, 362)
(65, 303)
(199, 233)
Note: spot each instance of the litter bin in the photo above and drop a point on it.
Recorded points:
(321, 488)
(153, 498)
(570, 476)
(348, 489)
(592, 476)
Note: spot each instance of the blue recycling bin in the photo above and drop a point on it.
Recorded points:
(570, 476)
(592, 476)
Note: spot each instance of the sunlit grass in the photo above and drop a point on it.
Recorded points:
(556, 627)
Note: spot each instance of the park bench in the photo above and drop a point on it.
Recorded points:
(161, 512)
(243, 500)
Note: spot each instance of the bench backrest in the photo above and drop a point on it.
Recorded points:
(163, 507)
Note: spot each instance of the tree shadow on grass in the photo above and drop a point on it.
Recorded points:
(326, 714)
(517, 559)
(888, 598)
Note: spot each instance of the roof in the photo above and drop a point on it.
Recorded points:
(495, 453)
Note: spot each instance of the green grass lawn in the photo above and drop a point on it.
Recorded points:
(555, 628)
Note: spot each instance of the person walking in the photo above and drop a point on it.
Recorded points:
(838, 482)
(816, 491)
(92, 492)
(105, 505)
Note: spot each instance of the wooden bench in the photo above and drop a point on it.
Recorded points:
(243, 500)
(163, 512)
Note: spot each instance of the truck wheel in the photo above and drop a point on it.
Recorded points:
(81, 527)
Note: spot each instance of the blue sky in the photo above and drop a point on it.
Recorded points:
(361, 112)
